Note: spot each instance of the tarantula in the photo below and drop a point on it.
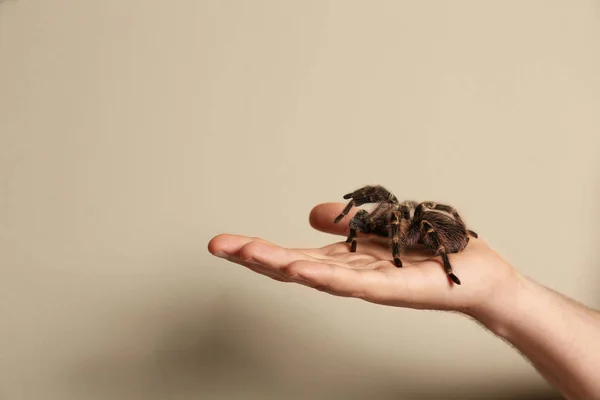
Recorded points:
(436, 226)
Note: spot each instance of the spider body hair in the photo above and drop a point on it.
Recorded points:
(438, 227)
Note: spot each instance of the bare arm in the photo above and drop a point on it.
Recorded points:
(559, 336)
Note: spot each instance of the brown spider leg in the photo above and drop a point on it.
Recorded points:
(345, 212)
(369, 223)
(452, 210)
(395, 236)
(418, 211)
(428, 230)
(360, 222)
(364, 195)
(371, 194)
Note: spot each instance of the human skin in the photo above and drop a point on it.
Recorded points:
(558, 335)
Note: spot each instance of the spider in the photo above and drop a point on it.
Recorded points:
(436, 226)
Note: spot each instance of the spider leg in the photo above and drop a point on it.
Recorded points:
(395, 235)
(434, 243)
(364, 195)
(371, 194)
(360, 222)
(345, 211)
(374, 223)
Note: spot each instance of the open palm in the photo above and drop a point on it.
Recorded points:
(369, 273)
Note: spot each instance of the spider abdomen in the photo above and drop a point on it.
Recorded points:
(451, 234)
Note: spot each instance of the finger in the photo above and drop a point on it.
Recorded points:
(230, 245)
(322, 216)
(333, 279)
(259, 269)
(269, 255)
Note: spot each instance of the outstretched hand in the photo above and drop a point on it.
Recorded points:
(370, 274)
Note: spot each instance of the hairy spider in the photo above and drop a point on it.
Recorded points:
(436, 226)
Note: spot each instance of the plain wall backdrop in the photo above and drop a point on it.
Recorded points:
(133, 131)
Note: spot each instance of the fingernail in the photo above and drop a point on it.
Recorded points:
(221, 254)
(251, 261)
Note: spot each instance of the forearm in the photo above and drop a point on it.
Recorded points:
(558, 335)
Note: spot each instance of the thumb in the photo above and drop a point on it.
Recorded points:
(322, 216)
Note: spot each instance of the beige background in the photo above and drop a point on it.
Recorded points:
(132, 131)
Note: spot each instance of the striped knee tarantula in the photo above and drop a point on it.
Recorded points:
(436, 226)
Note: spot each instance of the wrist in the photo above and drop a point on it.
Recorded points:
(506, 305)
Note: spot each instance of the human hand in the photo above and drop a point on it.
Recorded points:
(370, 274)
